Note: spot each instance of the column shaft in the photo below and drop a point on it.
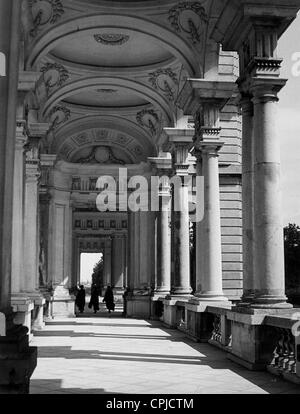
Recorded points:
(18, 213)
(31, 234)
(268, 229)
(200, 239)
(181, 242)
(247, 197)
(211, 277)
(107, 263)
(9, 47)
(118, 262)
(163, 284)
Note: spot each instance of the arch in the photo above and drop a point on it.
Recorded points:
(138, 88)
(168, 39)
(110, 122)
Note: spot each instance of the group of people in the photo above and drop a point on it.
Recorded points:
(80, 301)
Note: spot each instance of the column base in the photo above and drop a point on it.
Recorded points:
(157, 306)
(138, 306)
(22, 307)
(17, 361)
(247, 298)
(62, 304)
(211, 297)
(38, 311)
(270, 302)
(161, 292)
(180, 291)
(175, 310)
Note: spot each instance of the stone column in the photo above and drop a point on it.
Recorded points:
(200, 234)
(247, 197)
(118, 263)
(268, 228)
(204, 100)
(107, 262)
(163, 170)
(31, 235)
(18, 212)
(163, 284)
(17, 359)
(211, 277)
(47, 164)
(9, 39)
(21, 303)
(179, 144)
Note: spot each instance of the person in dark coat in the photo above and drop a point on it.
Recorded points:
(94, 302)
(109, 299)
(80, 299)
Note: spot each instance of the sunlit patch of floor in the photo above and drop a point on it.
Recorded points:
(118, 355)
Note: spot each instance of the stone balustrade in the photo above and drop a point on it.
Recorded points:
(286, 349)
(279, 336)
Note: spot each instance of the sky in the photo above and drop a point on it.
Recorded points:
(87, 263)
(289, 125)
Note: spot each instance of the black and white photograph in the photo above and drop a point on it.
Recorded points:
(149, 200)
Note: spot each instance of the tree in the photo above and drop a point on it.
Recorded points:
(292, 262)
(97, 276)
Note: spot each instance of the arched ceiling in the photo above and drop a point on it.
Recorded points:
(111, 48)
(112, 69)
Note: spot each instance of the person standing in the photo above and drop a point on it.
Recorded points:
(94, 301)
(80, 299)
(109, 299)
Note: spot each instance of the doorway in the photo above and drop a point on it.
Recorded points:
(89, 267)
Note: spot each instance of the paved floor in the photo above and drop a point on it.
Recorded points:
(96, 355)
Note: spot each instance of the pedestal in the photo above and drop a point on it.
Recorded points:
(62, 303)
(17, 361)
(22, 308)
(138, 306)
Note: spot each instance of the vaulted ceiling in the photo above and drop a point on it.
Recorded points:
(111, 71)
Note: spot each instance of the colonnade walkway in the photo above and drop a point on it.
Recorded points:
(97, 355)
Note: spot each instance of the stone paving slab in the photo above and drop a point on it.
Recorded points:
(127, 356)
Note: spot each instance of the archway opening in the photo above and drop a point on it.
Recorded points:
(89, 264)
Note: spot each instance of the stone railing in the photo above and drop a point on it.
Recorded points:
(221, 328)
(285, 358)
(275, 339)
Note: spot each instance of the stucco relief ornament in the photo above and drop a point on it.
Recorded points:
(189, 18)
(148, 118)
(58, 115)
(111, 39)
(164, 80)
(44, 12)
(55, 75)
(101, 155)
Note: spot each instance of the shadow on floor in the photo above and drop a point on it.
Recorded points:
(54, 386)
(72, 334)
(208, 355)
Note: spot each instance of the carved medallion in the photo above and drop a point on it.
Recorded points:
(111, 39)
(44, 12)
(55, 75)
(164, 80)
(148, 118)
(58, 115)
(189, 18)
